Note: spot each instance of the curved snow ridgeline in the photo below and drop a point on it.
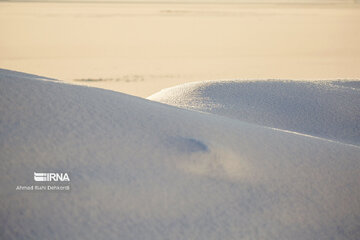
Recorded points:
(146, 170)
(328, 109)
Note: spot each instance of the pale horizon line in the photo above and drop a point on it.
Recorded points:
(193, 1)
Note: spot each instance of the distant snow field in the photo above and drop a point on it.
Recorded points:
(255, 160)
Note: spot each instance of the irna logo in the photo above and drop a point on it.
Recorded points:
(51, 177)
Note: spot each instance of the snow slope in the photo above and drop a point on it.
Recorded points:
(146, 170)
(328, 109)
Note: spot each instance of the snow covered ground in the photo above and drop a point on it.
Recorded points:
(141, 48)
(145, 170)
(329, 109)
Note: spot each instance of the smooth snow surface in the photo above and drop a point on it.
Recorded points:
(145, 170)
(328, 109)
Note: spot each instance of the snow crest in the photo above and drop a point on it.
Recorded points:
(327, 109)
(145, 170)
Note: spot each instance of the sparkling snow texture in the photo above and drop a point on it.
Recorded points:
(145, 170)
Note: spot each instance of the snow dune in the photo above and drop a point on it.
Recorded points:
(145, 170)
(328, 109)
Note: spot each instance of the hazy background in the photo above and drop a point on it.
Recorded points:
(140, 48)
(189, 1)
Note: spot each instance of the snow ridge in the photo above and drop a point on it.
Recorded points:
(145, 170)
(327, 109)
